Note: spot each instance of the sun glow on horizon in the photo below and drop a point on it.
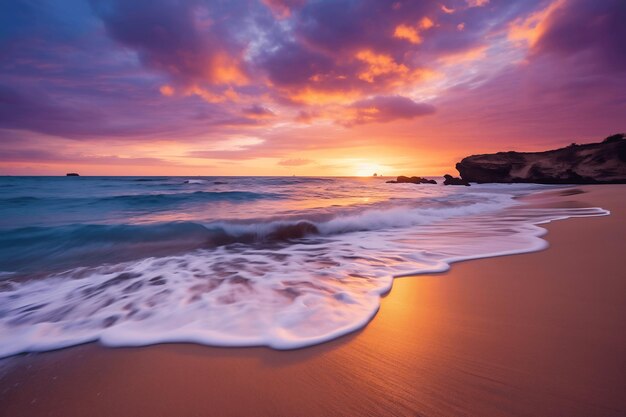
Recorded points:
(367, 169)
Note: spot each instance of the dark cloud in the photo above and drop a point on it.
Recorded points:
(383, 109)
(80, 116)
(292, 64)
(202, 70)
(256, 111)
(592, 30)
(189, 40)
(354, 47)
(570, 86)
(46, 156)
(36, 112)
(283, 8)
(61, 75)
(339, 26)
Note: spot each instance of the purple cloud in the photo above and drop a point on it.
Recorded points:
(181, 39)
(257, 111)
(384, 109)
(592, 30)
(200, 71)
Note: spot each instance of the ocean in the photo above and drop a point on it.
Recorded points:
(284, 262)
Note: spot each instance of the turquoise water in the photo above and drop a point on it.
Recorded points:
(233, 261)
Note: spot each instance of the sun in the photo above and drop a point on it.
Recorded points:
(367, 169)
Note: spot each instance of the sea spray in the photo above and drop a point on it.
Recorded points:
(233, 273)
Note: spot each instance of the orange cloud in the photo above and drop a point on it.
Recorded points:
(295, 162)
(166, 90)
(407, 32)
(448, 10)
(465, 56)
(530, 29)
(477, 3)
(282, 8)
(228, 94)
(412, 33)
(225, 70)
(379, 65)
(426, 23)
(314, 96)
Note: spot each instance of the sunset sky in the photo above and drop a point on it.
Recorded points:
(304, 87)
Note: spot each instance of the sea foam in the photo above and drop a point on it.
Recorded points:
(300, 290)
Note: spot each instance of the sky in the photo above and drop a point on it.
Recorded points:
(302, 87)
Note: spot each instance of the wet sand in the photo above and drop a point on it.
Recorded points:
(541, 334)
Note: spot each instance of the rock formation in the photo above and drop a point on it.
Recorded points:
(412, 180)
(450, 180)
(593, 163)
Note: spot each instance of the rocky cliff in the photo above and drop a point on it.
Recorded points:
(594, 163)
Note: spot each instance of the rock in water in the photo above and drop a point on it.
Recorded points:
(412, 180)
(593, 163)
(72, 174)
(450, 180)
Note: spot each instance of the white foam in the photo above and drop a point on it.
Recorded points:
(399, 215)
(289, 296)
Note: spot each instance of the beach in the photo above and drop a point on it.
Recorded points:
(312, 208)
(537, 334)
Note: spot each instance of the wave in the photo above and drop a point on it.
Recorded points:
(27, 249)
(20, 201)
(160, 199)
(57, 248)
(283, 296)
(285, 279)
(156, 200)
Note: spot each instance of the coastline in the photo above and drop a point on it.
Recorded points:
(532, 334)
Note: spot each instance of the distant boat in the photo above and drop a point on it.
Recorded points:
(72, 174)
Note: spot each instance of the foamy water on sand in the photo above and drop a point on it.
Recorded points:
(281, 262)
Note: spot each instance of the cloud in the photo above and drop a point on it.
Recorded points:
(33, 110)
(477, 3)
(30, 154)
(296, 73)
(296, 162)
(181, 39)
(383, 109)
(448, 10)
(282, 8)
(378, 66)
(594, 29)
(227, 147)
(96, 116)
(409, 33)
(568, 81)
(257, 111)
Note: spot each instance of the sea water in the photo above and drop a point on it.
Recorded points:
(284, 262)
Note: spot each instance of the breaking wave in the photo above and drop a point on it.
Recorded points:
(283, 284)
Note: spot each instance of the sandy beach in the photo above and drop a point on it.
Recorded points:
(539, 334)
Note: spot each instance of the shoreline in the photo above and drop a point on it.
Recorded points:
(440, 344)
